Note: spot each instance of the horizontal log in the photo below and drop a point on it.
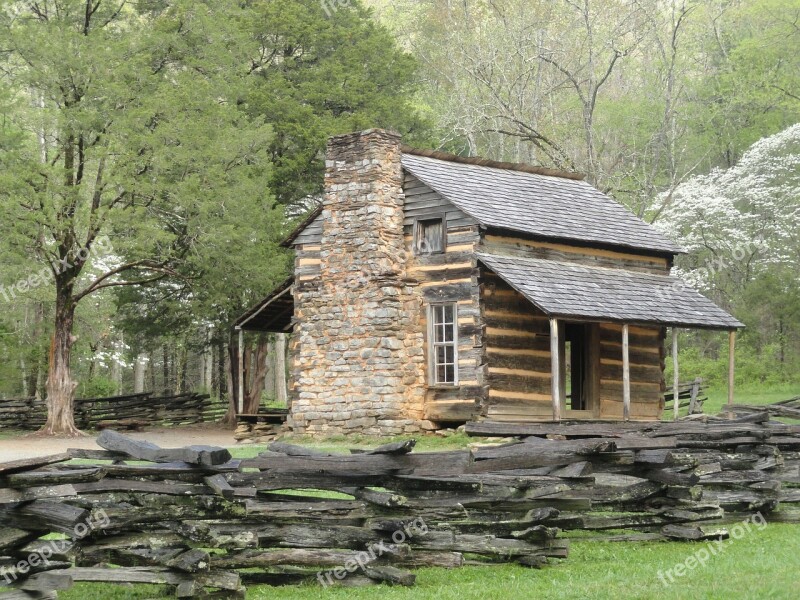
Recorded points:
(141, 450)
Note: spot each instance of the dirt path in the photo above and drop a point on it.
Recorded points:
(26, 446)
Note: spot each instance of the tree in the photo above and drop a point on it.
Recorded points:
(741, 229)
(317, 73)
(131, 121)
(310, 75)
(638, 95)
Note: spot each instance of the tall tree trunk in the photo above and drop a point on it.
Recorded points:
(38, 356)
(221, 370)
(232, 380)
(247, 367)
(152, 368)
(207, 361)
(258, 375)
(93, 360)
(138, 373)
(181, 354)
(116, 368)
(281, 393)
(165, 368)
(269, 382)
(60, 387)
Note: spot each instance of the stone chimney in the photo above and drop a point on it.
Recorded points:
(358, 353)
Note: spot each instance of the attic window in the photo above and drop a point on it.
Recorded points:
(429, 236)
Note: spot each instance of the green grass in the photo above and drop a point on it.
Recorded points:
(717, 398)
(8, 434)
(762, 564)
(342, 444)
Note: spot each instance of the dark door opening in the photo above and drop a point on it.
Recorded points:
(580, 372)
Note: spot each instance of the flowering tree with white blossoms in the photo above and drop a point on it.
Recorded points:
(741, 230)
(747, 217)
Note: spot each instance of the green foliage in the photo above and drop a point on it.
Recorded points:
(97, 387)
(318, 75)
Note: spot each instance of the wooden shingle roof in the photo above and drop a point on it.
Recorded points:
(568, 290)
(535, 203)
(273, 313)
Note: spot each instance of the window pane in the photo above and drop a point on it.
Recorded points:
(448, 313)
(444, 338)
(441, 354)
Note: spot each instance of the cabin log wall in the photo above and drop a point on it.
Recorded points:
(517, 352)
(647, 373)
(449, 276)
(493, 243)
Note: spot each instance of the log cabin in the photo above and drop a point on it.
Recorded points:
(431, 289)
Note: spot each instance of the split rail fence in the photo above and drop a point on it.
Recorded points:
(202, 523)
(143, 409)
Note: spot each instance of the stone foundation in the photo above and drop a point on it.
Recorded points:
(357, 349)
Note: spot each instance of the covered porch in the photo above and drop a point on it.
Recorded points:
(273, 314)
(590, 342)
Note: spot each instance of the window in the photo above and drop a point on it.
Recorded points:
(429, 236)
(443, 334)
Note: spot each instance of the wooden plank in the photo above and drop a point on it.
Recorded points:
(42, 478)
(25, 464)
(731, 366)
(676, 379)
(141, 450)
(555, 372)
(240, 368)
(154, 575)
(220, 485)
(626, 375)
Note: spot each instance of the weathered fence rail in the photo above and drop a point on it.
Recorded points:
(200, 522)
(91, 413)
(691, 395)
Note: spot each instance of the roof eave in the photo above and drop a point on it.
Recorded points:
(253, 311)
(641, 250)
(289, 240)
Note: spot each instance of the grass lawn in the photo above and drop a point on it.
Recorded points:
(8, 434)
(717, 398)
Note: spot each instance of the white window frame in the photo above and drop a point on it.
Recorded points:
(433, 345)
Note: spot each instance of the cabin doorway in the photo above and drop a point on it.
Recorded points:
(580, 374)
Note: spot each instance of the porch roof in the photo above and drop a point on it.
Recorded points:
(572, 291)
(274, 313)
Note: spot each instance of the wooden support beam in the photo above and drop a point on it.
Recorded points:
(240, 366)
(555, 370)
(676, 378)
(731, 363)
(626, 375)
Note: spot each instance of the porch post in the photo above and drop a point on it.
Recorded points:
(555, 370)
(676, 379)
(731, 354)
(626, 375)
(240, 367)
